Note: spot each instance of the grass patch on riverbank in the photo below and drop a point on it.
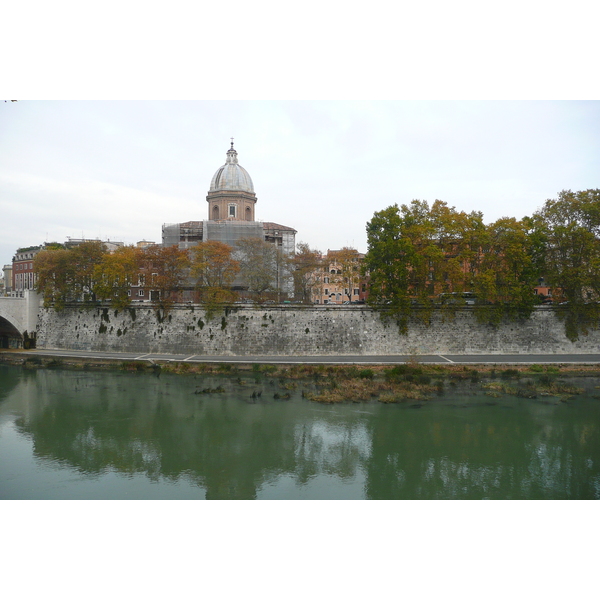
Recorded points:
(416, 383)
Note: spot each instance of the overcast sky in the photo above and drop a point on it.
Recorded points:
(119, 170)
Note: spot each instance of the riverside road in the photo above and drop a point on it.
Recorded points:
(500, 359)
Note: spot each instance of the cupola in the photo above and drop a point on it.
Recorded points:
(231, 195)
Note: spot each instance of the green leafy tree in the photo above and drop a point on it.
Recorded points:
(397, 259)
(506, 272)
(459, 237)
(415, 253)
(570, 228)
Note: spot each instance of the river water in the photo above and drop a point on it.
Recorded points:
(118, 435)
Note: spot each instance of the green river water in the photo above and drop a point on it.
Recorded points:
(118, 435)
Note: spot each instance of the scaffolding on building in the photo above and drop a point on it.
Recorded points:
(230, 232)
(184, 235)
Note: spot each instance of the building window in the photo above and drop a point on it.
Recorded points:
(129, 292)
(215, 214)
(356, 291)
(140, 292)
(232, 210)
(326, 292)
(325, 279)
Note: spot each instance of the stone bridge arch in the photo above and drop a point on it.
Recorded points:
(18, 320)
(10, 336)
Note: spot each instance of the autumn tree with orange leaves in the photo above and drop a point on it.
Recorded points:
(115, 275)
(164, 272)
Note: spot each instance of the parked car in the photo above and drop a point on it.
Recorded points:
(468, 298)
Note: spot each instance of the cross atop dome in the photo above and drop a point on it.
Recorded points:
(231, 155)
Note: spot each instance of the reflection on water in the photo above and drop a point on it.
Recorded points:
(67, 434)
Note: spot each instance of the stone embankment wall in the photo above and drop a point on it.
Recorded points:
(298, 331)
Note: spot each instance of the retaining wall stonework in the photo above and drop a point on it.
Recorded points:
(299, 331)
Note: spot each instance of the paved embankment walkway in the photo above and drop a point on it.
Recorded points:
(338, 359)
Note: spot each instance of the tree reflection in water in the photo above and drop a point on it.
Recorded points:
(234, 446)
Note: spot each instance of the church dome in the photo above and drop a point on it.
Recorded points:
(231, 176)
